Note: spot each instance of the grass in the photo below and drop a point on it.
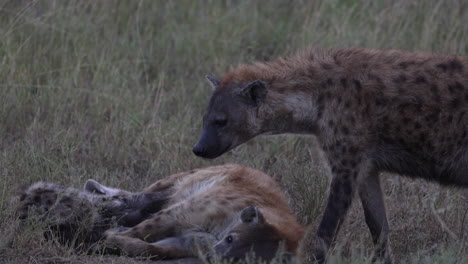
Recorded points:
(115, 91)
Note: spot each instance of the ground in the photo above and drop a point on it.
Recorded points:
(115, 91)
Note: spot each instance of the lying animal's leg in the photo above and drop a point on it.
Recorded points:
(200, 212)
(187, 245)
(372, 200)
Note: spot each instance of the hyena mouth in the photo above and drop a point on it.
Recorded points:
(210, 154)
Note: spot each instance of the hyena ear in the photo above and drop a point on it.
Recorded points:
(93, 186)
(251, 214)
(214, 82)
(255, 91)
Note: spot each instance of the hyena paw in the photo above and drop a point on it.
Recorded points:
(115, 231)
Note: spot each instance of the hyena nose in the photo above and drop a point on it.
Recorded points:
(199, 151)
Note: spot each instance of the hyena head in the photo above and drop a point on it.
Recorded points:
(251, 235)
(232, 117)
(69, 212)
(62, 210)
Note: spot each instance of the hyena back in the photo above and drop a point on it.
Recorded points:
(176, 217)
(371, 110)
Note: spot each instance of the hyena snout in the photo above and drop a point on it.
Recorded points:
(210, 145)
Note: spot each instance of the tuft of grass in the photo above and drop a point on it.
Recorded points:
(115, 91)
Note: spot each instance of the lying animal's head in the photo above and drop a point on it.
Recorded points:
(65, 211)
(69, 212)
(251, 235)
(232, 117)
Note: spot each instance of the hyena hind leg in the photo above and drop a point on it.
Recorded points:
(191, 244)
(373, 204)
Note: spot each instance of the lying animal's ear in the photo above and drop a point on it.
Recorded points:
(255, 91)
(214, 82)
(93, 186)
(251, 214)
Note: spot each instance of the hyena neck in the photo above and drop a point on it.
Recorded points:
(293, 98)
(292, 112)
(294, 86)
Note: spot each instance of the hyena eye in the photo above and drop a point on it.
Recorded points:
(220, 122)
(229, 239)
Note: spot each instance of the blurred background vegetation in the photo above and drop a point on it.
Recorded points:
(115, 91)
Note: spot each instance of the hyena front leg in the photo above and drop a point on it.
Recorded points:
(373, 204)
(347, 166)
(187, 245)
(187, 215)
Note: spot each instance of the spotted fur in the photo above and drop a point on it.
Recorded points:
(371, 110)
(204, 207)
(180, 216)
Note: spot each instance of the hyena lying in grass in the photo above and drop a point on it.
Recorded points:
(229, 209)
(371, 110)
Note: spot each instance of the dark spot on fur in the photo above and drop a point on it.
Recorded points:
(460, 117)
(432, 118)
(417, 126)
(358, 85)
(420, 79)
(353, 150)
(148, 227)
(405, 120)
(406, 64)
(344, 82)
(327, 66)
(456, 65)
(452, 65)
(435, 92)
(442, 66)
(320, 100)
(459, 87)
(449, 119)
(455, 103)
(345, 130)
(36, 198)
(381, 101)
(400, 79)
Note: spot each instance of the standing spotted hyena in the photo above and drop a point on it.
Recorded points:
(228, 209)
(371, 110)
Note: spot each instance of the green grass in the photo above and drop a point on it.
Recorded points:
(115, 91)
